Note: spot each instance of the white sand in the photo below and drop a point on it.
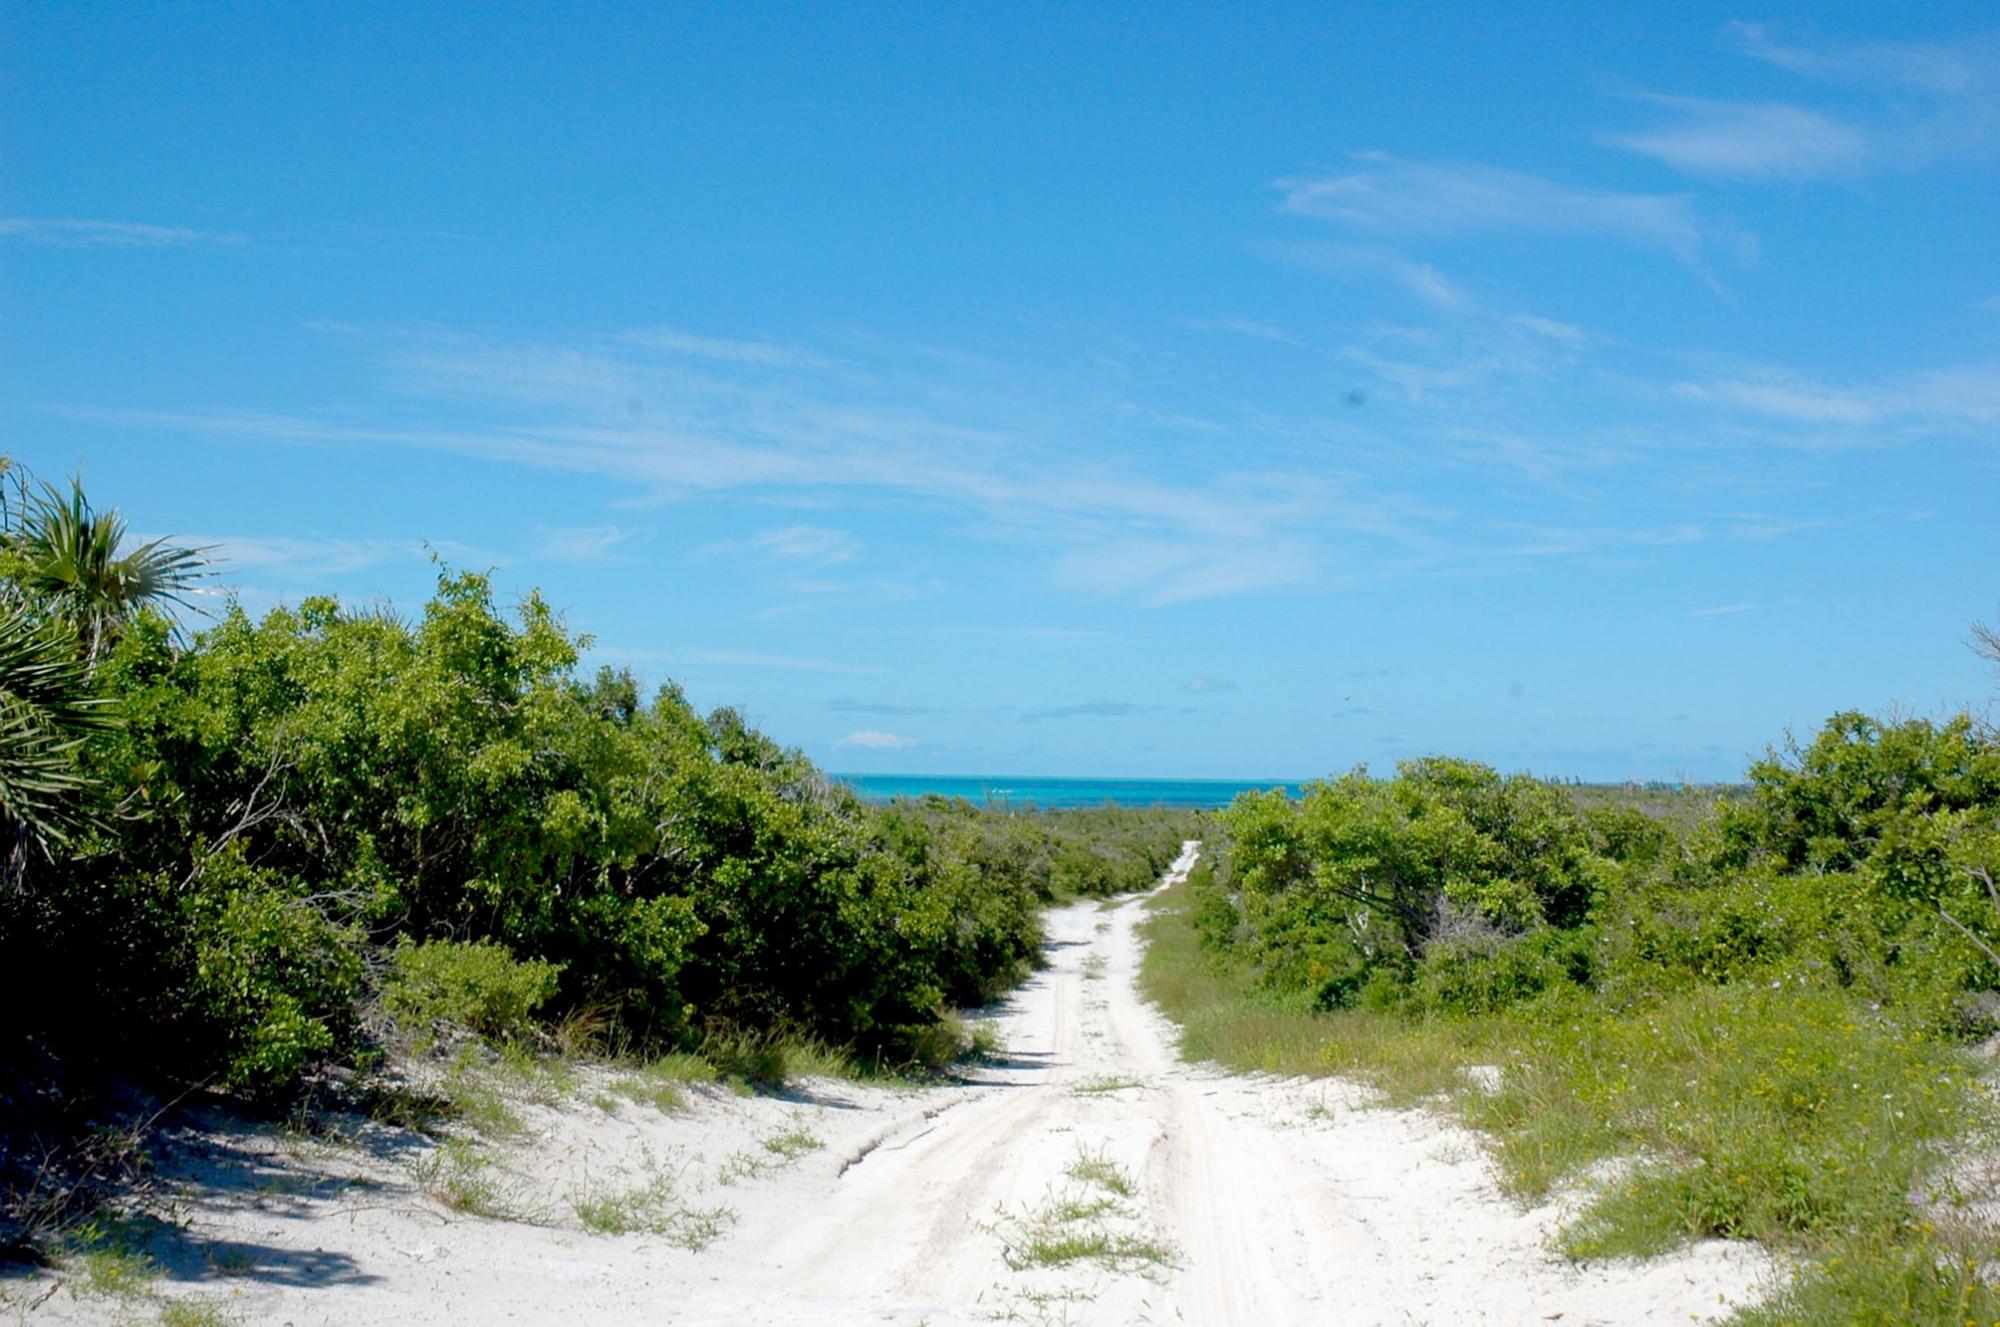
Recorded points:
(1275, 1202)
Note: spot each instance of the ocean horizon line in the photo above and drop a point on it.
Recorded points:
(1063, 791)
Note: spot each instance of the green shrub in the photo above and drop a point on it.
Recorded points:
(274, 981)
(1481, 977)
(475, 985)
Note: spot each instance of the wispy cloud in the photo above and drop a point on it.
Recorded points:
(1916, 103)
(1752, 140)
(1947, 395)
(1722, 610)
(586, 543)
(1103, 500)
(1028, 633)
(79, 233)
(1250, 327)
(871, 739)
(307, 558)
(1203, 526)
(1417, 198)
(1202, 682)
(807, 543)
(1938, 68)
(1419, 280)
(769, 354)
(847, 705)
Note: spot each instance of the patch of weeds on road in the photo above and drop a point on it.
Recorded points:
(231, 1260)
(195, 1313)
(1049, 1237)
(651, 1207)
(1093, 1219)
(1102, 1084)
(1320, 1111)
(1099, 1170)
(1044, 1308)
(1093, 968)
(106, 1256)
(793, 1143)
(773, 1153)
(459, 1176)
(472, 1096)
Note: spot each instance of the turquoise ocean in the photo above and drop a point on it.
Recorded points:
(1049, 793)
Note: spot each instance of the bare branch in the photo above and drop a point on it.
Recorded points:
(1969, 934)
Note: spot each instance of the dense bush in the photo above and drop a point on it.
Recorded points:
(1858, 861)
(328, 811)
(476, 985)
(1349, 889)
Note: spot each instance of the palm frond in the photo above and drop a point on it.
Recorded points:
(68, 556)
(47, 710)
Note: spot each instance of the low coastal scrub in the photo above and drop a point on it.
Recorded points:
(283, 848)
(1754, 1023)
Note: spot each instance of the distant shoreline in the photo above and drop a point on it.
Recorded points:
(1068, 792)
(1057, 793)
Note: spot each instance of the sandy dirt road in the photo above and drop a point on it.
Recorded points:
(1085, 1176)
(1252, 1203)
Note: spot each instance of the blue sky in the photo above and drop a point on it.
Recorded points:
(1161, 390)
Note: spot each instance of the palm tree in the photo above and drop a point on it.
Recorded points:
(47, 710)
(67, 557)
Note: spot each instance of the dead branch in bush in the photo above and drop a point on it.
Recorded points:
(1982, 874)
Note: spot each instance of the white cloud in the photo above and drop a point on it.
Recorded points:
(1722, 610)
(1789, 398)
(71, 232)
(1250, 327)
(1919, 102)
(1204, 683)
(1937, 68)
(1420, 281)
(585, 543)
(807, 543)
(770, 354)
(1749, 140)
(872, 739)
(1948, 395)
(1408, 197)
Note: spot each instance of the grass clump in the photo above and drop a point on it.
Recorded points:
(195, 1313)
(1100, 1171)
(459, 1176)
(773, 1153)
(651, 1207)
(1094, 1218)
(792, 1144)
(770, 1059)
(1070, 1227)
(1103, 1084)
(662, 1082)
(106, 1255)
